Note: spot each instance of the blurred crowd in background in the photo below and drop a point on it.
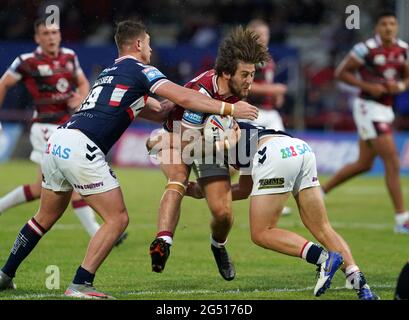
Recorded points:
(315, 28)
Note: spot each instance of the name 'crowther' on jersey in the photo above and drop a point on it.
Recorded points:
(117, 96)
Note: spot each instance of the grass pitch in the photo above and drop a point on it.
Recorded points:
(360, 210)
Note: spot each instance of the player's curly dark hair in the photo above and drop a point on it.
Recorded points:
(240, 45)
(128, 30)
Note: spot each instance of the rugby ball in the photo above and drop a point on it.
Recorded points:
(217, 130)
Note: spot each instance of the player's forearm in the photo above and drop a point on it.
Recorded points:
(83, 89)
(350, 78)
(239, 193)
(3, 92)
(200, 103)
(242, 189)
(266, 89)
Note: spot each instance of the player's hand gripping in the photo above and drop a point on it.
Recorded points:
(193, 190)
(74, 101)
(245, 110)
(375, 89)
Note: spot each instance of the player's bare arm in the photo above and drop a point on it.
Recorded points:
(6, 82)
(272, 89)
(242, 189)
(155, 111)
(396, 87)
(346, 72)
(81, 93)
(193, 100)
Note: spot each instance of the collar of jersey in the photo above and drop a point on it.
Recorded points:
(128, 56)
(379, 40)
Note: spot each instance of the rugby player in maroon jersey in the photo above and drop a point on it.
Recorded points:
(379, 67)
(54, 79)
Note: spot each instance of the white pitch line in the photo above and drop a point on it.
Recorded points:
(282, 223)
(184, 292)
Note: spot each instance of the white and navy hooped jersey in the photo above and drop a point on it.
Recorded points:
(117, 96)
(241, 156)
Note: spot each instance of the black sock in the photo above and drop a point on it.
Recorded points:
(402, 287)
(83, 276)
(313, 253)
(25, 242)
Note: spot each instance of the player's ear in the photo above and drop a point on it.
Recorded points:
(137, 44)
(36, 39)
(226, 76)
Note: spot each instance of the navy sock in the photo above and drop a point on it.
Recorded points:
(313, 253)
(25, 242)
(402, 287)
(83, 276)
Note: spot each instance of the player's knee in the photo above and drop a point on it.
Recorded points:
(222, 213)
(118, 221)
(35, 190)
(393, 162)
(179, 176)
(257, 237)
(364, 166)
(123, 219)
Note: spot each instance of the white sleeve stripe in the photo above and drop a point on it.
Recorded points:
(78, 71)
(356, 57)
(158, 84)
(192, 126)
(14, 74)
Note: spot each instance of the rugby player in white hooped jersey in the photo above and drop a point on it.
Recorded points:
(75, 156)
(280, 165)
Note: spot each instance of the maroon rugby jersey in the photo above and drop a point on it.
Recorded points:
(205, 83)
(380, 64)
(264, 75)
(50, 81)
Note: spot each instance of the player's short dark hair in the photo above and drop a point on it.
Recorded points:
(383, 14)
(38, 23)
(240, 45)
(128, 30)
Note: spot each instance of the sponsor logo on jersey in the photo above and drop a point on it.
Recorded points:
(379, 59)
(193, 117)
(271, 183)
(109, 69)
(62, 85)
(389, 73)
(44, 70)
(60, 152)
(89, 186)
(151, 73)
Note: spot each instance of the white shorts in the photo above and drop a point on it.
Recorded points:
(283, 164)
(39, 134)
(73, 161)
(271, 119)
(372, 118)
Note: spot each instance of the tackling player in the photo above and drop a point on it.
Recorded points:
(75, 154)
(279, 165)
(52, 76)
(380, 68)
